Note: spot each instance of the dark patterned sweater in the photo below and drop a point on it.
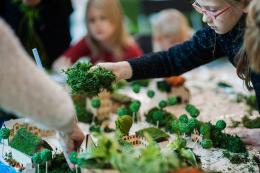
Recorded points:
(204, 47)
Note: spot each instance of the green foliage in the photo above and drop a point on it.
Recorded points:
(95, 103)
(178, 144)
(251, 123)
(175, 126)
(150, 93)
(94, 128)
(89, 82)
(189, 156)
(236, 158)
(205, 130)
(206, 143)
(73, 157)
(192, 110)
(221, 124)
(165, 121)
(4, 133)
(122, 111)
(163, 86)
(36, 158)
(156, 134)
(46, 155)
(172, 100)
(193, 123)
(183, 118)
(162, 104)
(135, 106)
(184, 128)
(83, 114)
(25, 141)
(123, 124)
(136, 88)
(249, 100)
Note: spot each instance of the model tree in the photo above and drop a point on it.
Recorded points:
(46, 156)
(134, 108)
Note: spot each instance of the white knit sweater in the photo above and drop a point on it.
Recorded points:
(26, 90)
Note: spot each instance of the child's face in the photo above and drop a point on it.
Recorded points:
(224, 17)
(99, 25)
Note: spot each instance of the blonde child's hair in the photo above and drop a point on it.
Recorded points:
(171, 22)
(120, 38)
(252, 35)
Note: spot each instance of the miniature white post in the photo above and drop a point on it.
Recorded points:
(38, 168)
(46, 167)
(157, 124)
(76, 166)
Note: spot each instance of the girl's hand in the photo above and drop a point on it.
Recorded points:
(122, 69)
(31, 3)
(60, 64)
(71, 142)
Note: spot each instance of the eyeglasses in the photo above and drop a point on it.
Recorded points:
(211, 14)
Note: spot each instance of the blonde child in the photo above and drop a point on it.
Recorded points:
(107, 38)
(170, 27)
(222, 37)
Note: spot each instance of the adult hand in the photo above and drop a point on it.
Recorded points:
(71, 142)
(122, 69)
(31, 3)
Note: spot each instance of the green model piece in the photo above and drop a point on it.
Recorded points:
(221, 124)
(192, 110)
(134, 106)
(89, 82)
(36, 158)
(175, 126)
(25, 141)
(158, 115)
(172, 100)
(123, 124)
(178, 143)
(193, 123)
(95, 103)
(183, 118)
(206, 143)
(136, 88)
(205, 130)
(162, 104)
(150, 93)
(46, 155)
(73, 157)
(156, 134)
(122, 111)
(184, 128)
(4, 133)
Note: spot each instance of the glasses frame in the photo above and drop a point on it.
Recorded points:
(213, 15)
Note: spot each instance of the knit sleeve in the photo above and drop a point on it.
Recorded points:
(201, 49)
(28, 91)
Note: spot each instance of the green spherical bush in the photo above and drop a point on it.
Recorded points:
(172, 100)
(73, 157)
(206, 143)
(193, 123)
(162, 104)
(46, 155)
(150, 93)
(158, 115)
(36, 158)
(183, 118)
(121, 111)
(205, 129)
(175, 126)
(134, 106)
(184, 128)
(136, 88)
(96, 103)
(221, 124)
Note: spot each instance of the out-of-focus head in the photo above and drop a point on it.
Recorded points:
(221, 15)
(170, 27)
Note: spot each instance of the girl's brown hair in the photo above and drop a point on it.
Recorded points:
(242, 58)
(113, 11)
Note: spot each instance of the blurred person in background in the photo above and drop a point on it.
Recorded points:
(29, 92)
(107, 38)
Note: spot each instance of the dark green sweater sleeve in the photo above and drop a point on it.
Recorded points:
(201, 49)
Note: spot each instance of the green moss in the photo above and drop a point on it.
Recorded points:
(236, 158)
(83, 114)
(89, 82)
(157, 134)
(251, 123)
(25, 142)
